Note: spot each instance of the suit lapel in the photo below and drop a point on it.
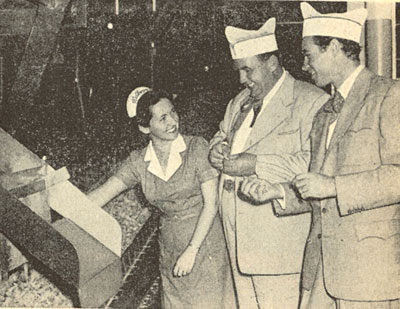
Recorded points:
(319, 135)
(274, 113)
(352, 106)
(232, 129)
(236, 114)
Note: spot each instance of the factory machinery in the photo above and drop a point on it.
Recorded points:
(81, 252)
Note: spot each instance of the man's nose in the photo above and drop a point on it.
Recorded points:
(243, 77)
(305, 66)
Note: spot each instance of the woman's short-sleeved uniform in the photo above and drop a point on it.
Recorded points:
(180, 200)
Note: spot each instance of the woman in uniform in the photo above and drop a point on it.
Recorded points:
(177, 178)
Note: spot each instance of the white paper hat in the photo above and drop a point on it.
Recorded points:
(246, 43)
(133, 99)
(346, 25)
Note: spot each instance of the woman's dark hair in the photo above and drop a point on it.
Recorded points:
(350, 48)
(143, 109)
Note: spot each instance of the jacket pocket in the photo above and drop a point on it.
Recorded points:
(289, 131)
(359, 147)
(384, 229)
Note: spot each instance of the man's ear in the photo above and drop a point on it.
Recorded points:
(335, 46)
(273, 63)
(144, 130)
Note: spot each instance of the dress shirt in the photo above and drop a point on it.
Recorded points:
(344, 90)
(241, 135)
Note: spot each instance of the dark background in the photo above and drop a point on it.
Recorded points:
(91, 133)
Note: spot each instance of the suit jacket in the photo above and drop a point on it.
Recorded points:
(280, 140)
(357, 234)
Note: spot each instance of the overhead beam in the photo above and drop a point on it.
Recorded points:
(39, 48)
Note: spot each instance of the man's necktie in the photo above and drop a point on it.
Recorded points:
(256, 111)
(334, 105)
(245, 109)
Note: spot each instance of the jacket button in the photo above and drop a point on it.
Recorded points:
(319, 236)
(324, 210)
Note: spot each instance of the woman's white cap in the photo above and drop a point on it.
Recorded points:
(346, 25)
(133, 99)
(246, 43)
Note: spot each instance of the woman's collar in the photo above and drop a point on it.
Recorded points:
(174, 159)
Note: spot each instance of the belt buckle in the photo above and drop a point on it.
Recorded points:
(229, 185)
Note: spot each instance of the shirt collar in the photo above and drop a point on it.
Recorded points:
(346, 86)
(275, 89)
(174, 159)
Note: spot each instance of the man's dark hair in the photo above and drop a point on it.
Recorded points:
(266, 56)
(350, 48)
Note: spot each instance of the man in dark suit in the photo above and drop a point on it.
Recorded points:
(352, 255)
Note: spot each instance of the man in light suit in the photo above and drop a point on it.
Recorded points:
(352, 257)
(265, 252)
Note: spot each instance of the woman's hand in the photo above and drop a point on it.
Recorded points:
(185, 262)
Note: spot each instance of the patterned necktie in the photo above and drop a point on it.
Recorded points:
(334, 105)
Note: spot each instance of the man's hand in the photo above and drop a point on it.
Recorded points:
(242, 164)
(217, 154)
(259, 191)
(312, 185)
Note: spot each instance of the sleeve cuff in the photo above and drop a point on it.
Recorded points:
(341, 196)
(281, 201)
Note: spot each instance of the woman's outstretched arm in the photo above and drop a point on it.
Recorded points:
(107, 191)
